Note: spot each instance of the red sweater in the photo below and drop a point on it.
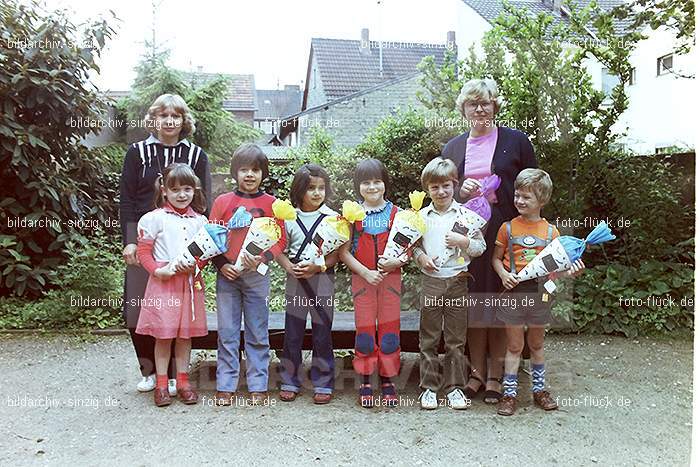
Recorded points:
(258, 205)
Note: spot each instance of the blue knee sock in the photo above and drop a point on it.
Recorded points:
(537, 377)
(510, 385)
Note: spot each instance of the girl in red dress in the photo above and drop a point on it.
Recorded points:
(173, 305)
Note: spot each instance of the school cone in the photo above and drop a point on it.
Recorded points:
(208, 242)
(562, 252)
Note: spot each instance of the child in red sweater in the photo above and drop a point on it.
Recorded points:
(243, 295)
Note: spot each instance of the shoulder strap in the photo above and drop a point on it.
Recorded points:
(308, 234)
(510, 247)
(394, 210)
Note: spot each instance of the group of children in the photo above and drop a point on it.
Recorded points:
(376, 284)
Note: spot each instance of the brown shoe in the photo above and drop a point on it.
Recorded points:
(161, 397)
(288, 396)
(544, 400)
(257, 398)
(321, 399)
(506, 406)
(187, 395)
(224, 398)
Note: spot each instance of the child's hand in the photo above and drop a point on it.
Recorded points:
(304, 271)
(373, 277)
(182, 267)
(387, 265)
(230, 272)
(509, 280)
(251, 262)
(163, 273)
(455, 240)
(427, 263)
(576, 269)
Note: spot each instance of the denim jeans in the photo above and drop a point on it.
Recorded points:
(245, 297)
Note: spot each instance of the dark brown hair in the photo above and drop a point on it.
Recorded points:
(183, 175)
(249, 155)
(302, 180)
(370, 169)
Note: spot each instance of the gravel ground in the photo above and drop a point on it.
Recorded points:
(71, 400)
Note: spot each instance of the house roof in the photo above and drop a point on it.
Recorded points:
(241, 88)
(274, 104)
(344, 69)
(275, 153)
(490, 9)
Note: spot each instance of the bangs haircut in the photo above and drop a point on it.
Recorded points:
(183, 175)
(537, 181)
(302, 180)
(178, 104)
(438, 170)
(370, 169)
(249, 155)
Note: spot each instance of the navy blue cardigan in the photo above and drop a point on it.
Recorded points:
(143, 162)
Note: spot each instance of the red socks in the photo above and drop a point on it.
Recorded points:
(162, 381)
(183, 380)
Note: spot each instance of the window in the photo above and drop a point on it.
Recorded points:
(633, 77)
(664, 65)
(608, 81)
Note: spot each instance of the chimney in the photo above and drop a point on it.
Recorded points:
(451, 43)
(364, 42)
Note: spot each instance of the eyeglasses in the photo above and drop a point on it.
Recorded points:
(483, 104)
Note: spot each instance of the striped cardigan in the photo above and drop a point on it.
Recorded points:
(143, 162)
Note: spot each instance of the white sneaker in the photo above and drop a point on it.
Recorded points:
(172, 387)
(148, 383)
(428, 400)
(457, 400)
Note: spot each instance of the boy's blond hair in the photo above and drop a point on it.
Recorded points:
(438, 170)
(537, 181)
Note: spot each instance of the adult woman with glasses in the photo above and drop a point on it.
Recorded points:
(484, 150)
(169, 121)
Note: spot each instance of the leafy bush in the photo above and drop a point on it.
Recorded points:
(630, 300)
(49, 179)
(88, 291)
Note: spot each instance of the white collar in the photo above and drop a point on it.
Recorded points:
(453, 206)
(153, 140)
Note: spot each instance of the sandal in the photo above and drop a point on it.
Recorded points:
(389, 397)
(492, 396)
(288, 396)
(471, 393)
(366, 396)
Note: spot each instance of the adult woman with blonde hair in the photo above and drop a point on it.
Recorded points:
(169, 122)
(484, 150)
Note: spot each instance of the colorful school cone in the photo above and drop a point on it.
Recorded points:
(208, 242)
(264, 232)
(331, 233)
(408, 227)
(480, 205)
(467, 221)
(563, 252)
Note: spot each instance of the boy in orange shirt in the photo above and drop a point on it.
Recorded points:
(517, 243)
